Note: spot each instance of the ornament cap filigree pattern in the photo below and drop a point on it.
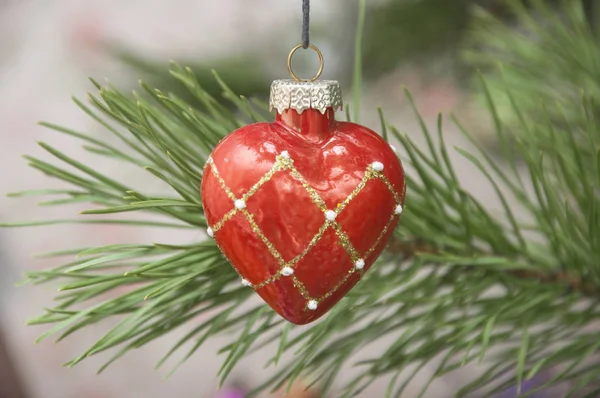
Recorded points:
(300, 96)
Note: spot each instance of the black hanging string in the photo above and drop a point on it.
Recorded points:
(305, 23)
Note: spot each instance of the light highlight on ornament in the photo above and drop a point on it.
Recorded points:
(330, 215)
(287, 271)
(377, 166)
(312, 305)
(240, 204)
(246, 282)
(285, 154)
(394, 149)
(359, 264)
(210, 232)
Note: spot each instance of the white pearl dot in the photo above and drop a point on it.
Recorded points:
(210, 232)
(240, 204)
(312, 305)
(330, 215)
(285, 154)
(398, 209)
(377, 166)
(287, 271)
(246, 282)
(359, 264)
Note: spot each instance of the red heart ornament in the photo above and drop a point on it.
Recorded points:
(302, 207)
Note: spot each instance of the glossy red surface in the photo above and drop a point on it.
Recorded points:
(332, 157)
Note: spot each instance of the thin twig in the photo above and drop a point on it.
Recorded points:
(575, 283)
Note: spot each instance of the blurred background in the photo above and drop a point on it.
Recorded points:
(48, 49)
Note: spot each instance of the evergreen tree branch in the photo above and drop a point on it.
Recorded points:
(510, 289)
(406, 250)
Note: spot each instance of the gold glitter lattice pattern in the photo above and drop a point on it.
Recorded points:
(285, 163)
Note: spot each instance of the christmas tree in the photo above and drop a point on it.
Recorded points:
(510, 292)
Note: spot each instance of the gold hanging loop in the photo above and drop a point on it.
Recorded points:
(321, 63)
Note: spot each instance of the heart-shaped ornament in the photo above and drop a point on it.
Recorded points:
(302, 207)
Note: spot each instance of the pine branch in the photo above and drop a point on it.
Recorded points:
(575, 283)
(461, 284)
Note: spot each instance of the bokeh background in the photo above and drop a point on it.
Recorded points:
(48, 49)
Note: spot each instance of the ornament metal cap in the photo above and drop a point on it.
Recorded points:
(302, 95)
